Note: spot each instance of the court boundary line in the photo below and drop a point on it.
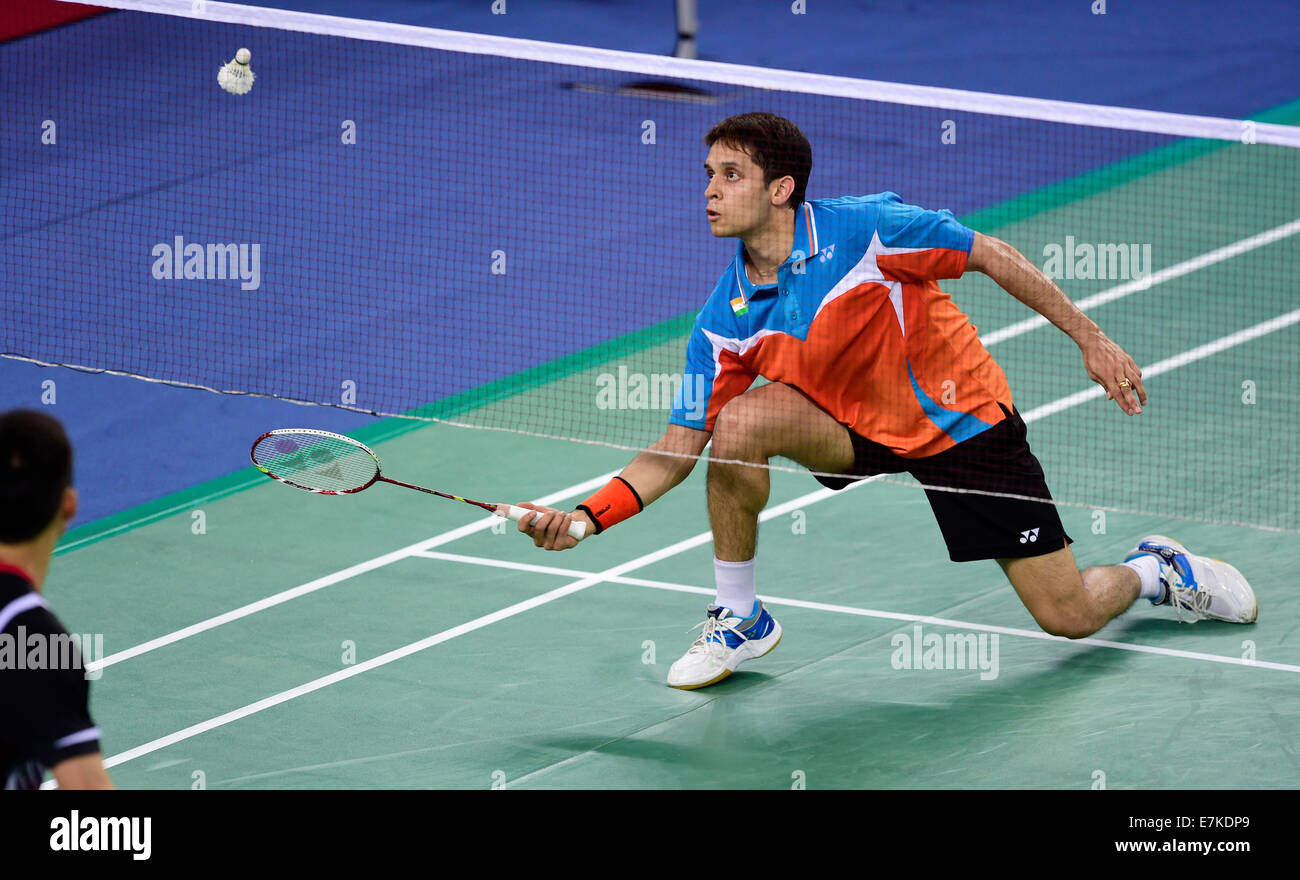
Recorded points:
(335, 577)
(1169, 273)
(1009, 211)
(581, 584)
(397, 425)
(446, 635)
(1069, 401)
(900, 617)
(772, 79)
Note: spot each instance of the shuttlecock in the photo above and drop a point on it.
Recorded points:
(236, 76)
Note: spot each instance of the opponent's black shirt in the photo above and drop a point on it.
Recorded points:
(45, 711)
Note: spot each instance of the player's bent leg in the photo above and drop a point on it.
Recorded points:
(770, 420)
(766, 421)
(1065, 601)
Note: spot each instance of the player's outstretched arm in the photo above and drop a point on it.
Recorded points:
(653, 472)
(1107, 364)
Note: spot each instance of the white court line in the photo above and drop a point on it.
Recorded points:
(336, 577)
(582, 583)
(993, 338)
(1195, 264)
(1223, 343)
(589, 580)
(860, 612)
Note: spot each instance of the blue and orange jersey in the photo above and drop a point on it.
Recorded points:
(857, 322)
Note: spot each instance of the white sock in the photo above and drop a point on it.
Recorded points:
(1148, 569)
(735, 586)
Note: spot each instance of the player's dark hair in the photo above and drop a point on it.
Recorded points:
(35, 469)
(775, 144)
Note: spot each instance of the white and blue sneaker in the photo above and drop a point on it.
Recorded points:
(1198, 587)
(727, 641)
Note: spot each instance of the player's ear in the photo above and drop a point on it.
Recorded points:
(782, 189)
(68, 510)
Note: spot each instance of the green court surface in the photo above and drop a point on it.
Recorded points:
(388, 640)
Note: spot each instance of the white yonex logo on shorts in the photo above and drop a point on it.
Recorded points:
(1029, 536)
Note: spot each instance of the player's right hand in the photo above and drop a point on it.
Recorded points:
(550, 531)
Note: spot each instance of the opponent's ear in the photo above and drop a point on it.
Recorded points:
(68, 509)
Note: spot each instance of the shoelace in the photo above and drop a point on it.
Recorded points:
(712, 625)
(1193, 600)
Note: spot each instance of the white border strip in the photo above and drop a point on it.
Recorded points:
(860, 612)
(1182, 359)
(328, 580)
(1178, 270)
(419, 549)
(611, 574)
(587, 580)
(1068, 112)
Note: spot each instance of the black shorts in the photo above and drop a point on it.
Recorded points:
(975, 525)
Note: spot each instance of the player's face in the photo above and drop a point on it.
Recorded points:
(738, 200)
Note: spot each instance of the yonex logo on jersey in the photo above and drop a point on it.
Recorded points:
(1029, 537)
(827, 253)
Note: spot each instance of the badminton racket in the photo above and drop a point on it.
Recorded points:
(332, 464)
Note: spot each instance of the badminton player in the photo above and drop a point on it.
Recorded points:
(44, 712)
(873, 369)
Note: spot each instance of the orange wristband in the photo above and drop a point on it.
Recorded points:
(611, 505)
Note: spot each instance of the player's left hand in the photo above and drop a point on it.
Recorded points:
(1110, 367)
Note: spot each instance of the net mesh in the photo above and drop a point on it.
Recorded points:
(521, 245)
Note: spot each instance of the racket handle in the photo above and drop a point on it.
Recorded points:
(577, 530)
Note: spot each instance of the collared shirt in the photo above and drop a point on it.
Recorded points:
(857, 322)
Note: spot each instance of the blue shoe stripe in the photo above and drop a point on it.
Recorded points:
(759, 629)
(1170, 557)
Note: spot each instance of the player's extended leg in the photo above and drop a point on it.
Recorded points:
(1072, 603)
(1067, 602)
(770, 420)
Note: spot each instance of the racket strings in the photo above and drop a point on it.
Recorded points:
(317, 462)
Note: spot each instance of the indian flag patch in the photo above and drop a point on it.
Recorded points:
(739, 306)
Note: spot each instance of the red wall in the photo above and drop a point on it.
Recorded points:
(20, 17)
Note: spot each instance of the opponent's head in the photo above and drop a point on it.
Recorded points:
(36, 494)
(758, 164)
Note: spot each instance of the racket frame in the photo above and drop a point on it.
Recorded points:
(332, 436)
(577, 530)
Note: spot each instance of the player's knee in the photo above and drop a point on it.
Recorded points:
(736, 427)
(1067, 624)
